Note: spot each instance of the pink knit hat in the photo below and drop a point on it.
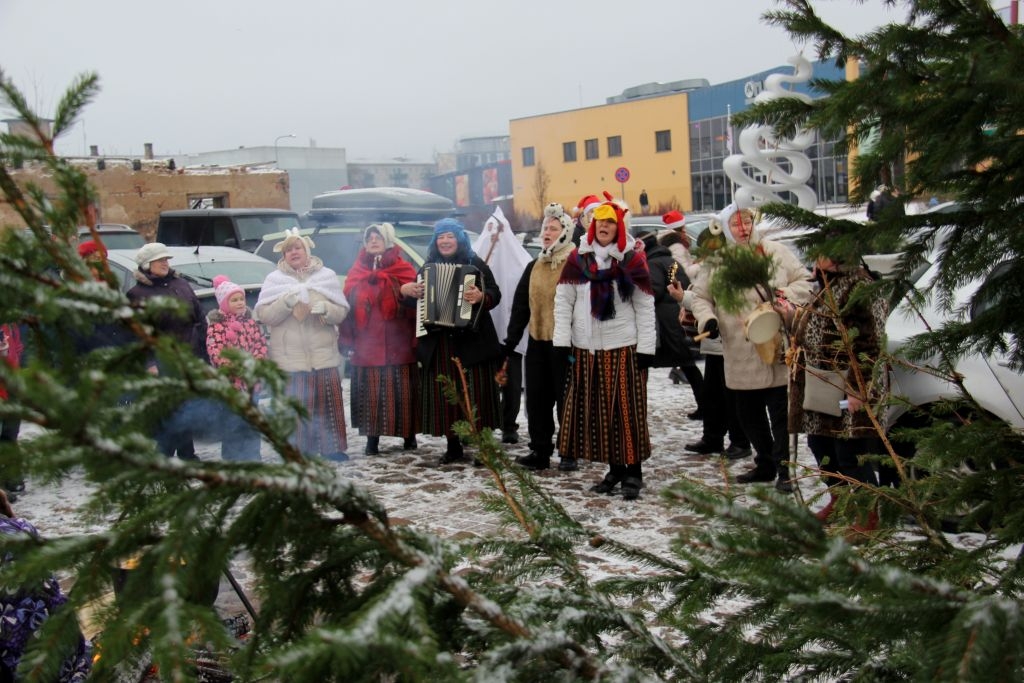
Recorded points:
(223, 288)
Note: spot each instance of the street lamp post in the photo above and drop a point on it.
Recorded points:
(280, 137)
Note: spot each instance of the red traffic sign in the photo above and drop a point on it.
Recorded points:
(622, 174)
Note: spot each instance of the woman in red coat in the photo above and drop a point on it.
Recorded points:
(383, 340)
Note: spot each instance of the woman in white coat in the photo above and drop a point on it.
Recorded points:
(604, 310)
(302, 303)
(759, 387)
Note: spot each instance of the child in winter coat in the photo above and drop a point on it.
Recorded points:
(231, 325)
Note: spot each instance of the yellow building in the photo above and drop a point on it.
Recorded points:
(672, 138)
(565, 156)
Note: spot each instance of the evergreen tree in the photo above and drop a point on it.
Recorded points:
(753, 592)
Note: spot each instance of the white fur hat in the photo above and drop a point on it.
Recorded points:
(385, 230)
(555, 210)
(154, 251)
(290, 236)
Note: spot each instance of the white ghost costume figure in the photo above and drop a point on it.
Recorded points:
(507, 258)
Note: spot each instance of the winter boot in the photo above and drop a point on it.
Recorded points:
(606, 485)
(372, 444)
(534, 461)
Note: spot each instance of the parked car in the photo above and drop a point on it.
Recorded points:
(240, 228)
(199, 267)
(113, 235)
(340, 217)
(379, 204)
(995, 386)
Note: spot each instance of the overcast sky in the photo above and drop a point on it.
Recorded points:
(382, 78)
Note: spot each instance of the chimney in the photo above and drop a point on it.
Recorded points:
(94, 150)
(148, 154)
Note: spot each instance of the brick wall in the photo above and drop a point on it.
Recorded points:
(136, 198)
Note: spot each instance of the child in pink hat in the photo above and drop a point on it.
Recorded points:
(231, 325)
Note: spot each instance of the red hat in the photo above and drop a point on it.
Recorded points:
(588, 203)
(89, 247)
(674, 219)
(611, 211)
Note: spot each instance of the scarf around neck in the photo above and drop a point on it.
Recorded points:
(373, 282)
(627, 274)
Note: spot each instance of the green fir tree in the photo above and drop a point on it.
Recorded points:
(753, 592)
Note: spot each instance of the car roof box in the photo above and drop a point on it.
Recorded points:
(383, 204)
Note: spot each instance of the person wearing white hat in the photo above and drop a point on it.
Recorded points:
(154, 278)
(302, 303)
(533, 314)
(758, 384)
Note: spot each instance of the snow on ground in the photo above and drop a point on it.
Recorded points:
(444, 500)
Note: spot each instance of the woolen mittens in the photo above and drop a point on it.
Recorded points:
(290, 299)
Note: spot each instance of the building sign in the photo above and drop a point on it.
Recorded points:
(752, 89)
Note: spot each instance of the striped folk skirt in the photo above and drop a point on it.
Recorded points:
(323, 432)
(605, 415)
(437, 414)
(384, 400)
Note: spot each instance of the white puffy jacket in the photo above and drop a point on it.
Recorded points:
(633, 323)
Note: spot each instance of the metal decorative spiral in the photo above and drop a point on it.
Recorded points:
(756, 169)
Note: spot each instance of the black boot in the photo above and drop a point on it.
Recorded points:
(631, 488)
(606, 485)
(410, 443)
(534, 461)
(783, 484)
(756, 474)
(372, 444)
(454, 453)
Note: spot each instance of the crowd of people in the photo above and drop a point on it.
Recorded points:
(583, 324)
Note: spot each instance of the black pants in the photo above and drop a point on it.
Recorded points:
(840, 455)
(763, 415)
(719, 406)
(9, 430)
(545, 392)
(512, 395)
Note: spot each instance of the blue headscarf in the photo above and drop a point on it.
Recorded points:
(464, 254)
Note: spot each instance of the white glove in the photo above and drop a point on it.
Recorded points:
(290, 299)
(319, 308)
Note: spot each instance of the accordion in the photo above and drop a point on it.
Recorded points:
(443, 303)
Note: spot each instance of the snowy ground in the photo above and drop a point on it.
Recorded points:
(443, 500)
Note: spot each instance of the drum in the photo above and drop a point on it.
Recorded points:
(763, 324)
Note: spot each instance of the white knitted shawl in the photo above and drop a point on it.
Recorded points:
(317, 278)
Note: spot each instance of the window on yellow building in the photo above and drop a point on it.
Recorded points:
(569, 151)
(528, 158)
(590, 148)
(663, 141)
(615, 146)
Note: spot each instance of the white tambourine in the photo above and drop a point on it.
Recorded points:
(762, 324)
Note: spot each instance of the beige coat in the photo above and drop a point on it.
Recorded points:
(744, 369)
(306, 345)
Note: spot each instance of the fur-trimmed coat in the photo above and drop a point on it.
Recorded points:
(744, 369)
(189, 328)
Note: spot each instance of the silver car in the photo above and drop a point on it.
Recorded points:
(997, 388)
(199, 266)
